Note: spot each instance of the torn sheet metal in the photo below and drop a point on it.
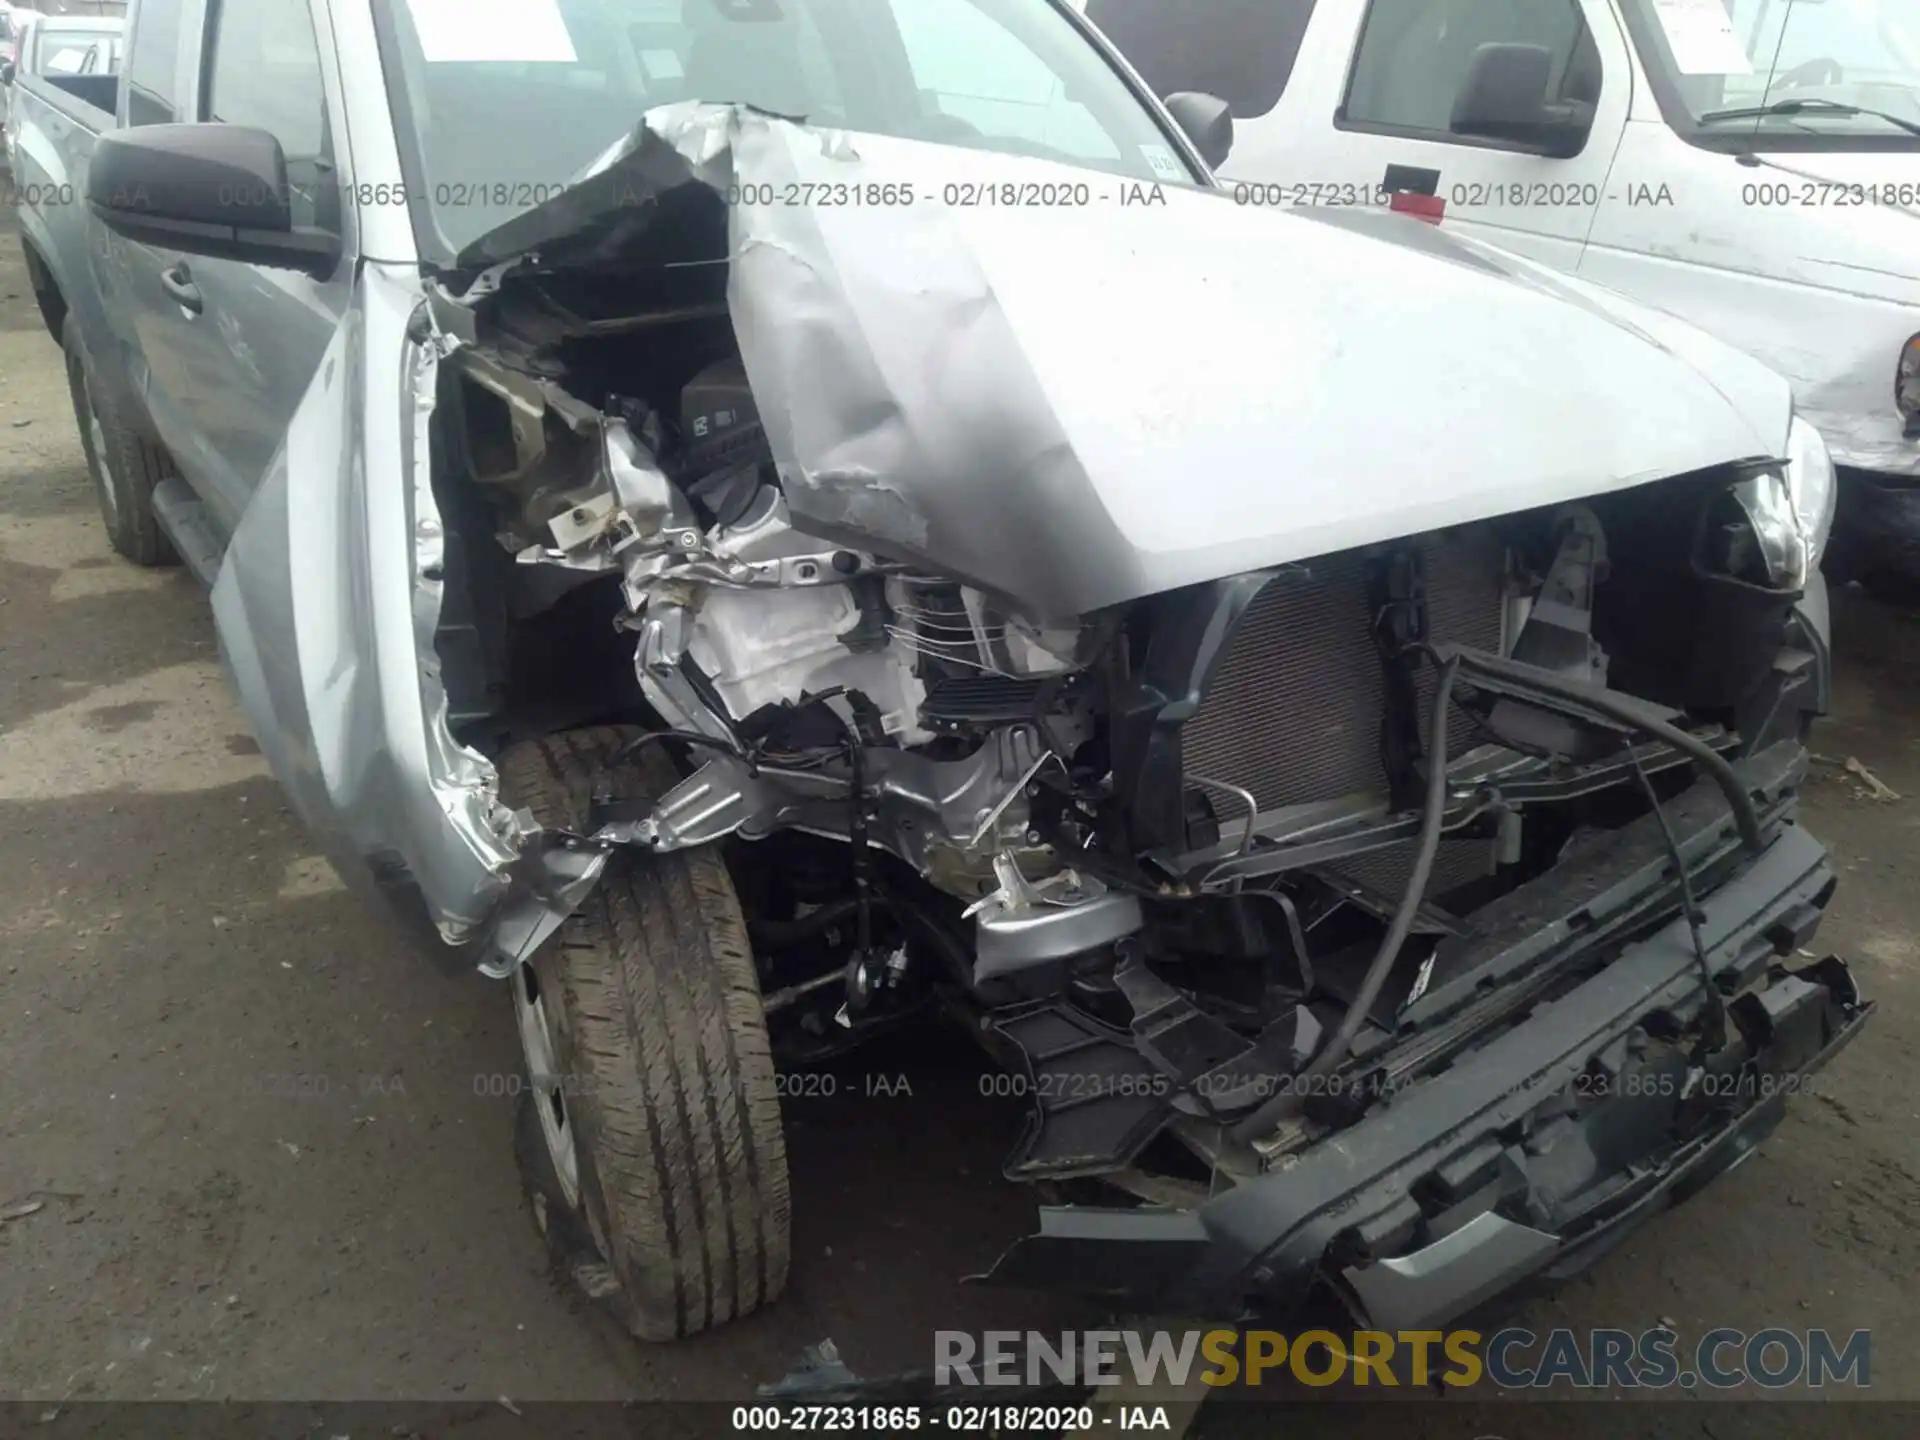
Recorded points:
(327, 606)
(1079, 405)
(556, 872)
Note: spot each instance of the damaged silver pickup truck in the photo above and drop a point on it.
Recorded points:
(771, 520)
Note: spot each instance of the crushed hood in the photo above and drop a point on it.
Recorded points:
(1132, 388)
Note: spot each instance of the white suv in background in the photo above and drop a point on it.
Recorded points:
(1752, 166)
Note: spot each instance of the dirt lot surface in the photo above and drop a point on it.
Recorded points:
(265, 1133)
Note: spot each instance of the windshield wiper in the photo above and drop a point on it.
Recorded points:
(1802, 107)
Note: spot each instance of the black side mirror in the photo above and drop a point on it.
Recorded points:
(207, 189)
(1505, 98)
(1207, 121)
(6, 72)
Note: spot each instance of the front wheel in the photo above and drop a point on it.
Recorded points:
(650, 1138)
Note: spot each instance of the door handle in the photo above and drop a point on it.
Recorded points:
(178, 283)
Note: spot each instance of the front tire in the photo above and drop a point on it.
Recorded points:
(650, 1140)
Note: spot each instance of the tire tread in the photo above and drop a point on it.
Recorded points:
(132, 528)
(679, 1110)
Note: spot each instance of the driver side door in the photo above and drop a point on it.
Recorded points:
(244, 359)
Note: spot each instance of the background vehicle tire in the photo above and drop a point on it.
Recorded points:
(1897, 588)
(125, 468)
(654, 1160)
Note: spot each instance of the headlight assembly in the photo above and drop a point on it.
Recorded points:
(1810, 486)
(1788, 512)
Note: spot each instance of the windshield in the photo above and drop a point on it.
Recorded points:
(507, 104)
(1719, 55)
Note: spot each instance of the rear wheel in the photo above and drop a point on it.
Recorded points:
(649, 1138)
(124, 467)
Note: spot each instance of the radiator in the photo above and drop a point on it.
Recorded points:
(1294, 713)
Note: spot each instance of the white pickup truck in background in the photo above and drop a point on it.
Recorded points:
(32, 43)
(1752, 166)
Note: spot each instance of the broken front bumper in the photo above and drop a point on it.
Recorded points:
(1529, 1155)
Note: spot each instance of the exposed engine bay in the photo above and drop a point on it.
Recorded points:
(1212, 858)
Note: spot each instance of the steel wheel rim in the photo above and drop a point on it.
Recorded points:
(539, 1043)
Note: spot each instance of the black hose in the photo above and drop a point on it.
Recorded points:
(777, 934)
(862, 861)
(1337, 1047)
(1715, 1035)
(1745, 816)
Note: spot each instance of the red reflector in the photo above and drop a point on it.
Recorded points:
(1429, 208)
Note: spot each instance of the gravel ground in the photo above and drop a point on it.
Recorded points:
(262, 1130)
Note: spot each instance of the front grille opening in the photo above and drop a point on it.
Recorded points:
(1294, 713)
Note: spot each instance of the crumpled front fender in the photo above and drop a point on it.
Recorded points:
(326, 605)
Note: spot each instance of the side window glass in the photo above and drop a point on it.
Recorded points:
(1240, 50)
(263, 70)
(1416, 58)
(972, 71)
(153, 64)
